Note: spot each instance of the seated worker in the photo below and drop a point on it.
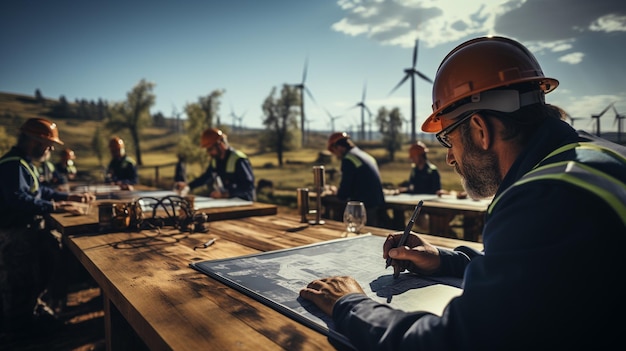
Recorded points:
(360, 178)
(49, 175)
(66, 166)
(554, 235)
(229, 173)
(30, 257)
(122, 169)
(424, 177)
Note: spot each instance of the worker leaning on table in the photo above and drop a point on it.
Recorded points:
(554, 235)
(31, 260)
(229, 173)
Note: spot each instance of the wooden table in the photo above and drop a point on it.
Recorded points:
(439, 211)
(154, 300)
(69, 224)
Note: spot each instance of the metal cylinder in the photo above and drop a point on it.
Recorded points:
(318, 181)
(303, 203)
(318, 177)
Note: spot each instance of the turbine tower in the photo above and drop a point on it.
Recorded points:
(597, 117)
(411, 73)
(618, 120)
(303, 88)
(364, 108)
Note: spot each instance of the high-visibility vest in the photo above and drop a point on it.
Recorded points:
(231, 162)
(35, 186)
(610, 189)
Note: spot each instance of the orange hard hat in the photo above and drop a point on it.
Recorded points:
(480, 65)
(68, 154)
(210, 137)
(335, 137)
(116, 143)
(418, 148)
(42, 129)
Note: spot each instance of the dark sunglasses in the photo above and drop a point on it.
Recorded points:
(442, 136)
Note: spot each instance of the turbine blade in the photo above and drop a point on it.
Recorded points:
(415, 53)
(364, 91)
(605, 109)
(308, 92)
(424, 77)
(406, 76)
(306, 67)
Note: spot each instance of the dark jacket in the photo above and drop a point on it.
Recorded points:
(235, 172)
(21, 196)
(549, 275)
(424, 181)
(122, 170)
(360, 179)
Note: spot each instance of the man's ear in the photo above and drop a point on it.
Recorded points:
(482, 130)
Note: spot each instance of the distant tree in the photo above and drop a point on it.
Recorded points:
(281, 120)
(158, 119)
(390, 126)
(133, 114)
(200, 116)
(39, 97)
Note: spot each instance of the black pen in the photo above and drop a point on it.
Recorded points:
(205, 245)
(405, 235)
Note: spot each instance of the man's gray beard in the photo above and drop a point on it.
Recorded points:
(480, 175)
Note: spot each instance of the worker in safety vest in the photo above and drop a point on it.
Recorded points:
(122, 169)
(229, 173)
(31, 259)
(360, 178)
(554, 235)
(67, 166)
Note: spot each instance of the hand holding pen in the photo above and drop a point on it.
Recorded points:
(405, 235)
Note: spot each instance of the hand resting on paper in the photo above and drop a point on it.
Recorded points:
(417, 256)
(325, 292)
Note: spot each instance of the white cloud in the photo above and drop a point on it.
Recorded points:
(572, 58)
(609, 23)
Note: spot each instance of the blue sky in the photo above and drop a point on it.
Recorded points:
(89, 50)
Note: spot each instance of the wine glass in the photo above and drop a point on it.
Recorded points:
(354, 216)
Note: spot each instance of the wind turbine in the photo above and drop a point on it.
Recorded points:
(364, 108)
(303, 88)
(597, 117)
(236, 118)
(332, 119)
(572, 119)
(176, 116)
(411, 73)
(618, 120)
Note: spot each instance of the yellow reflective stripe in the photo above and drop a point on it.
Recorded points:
(232, 160)
(585, 146)
(613, 192)
(35, 187)
(357, 161)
